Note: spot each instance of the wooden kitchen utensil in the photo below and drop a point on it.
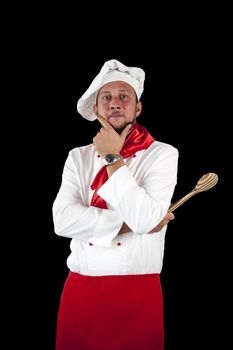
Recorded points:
(206, 182)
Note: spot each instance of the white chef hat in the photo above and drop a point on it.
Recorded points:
(112, 70)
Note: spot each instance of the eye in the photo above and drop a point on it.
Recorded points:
(106, 98)
(123, 97)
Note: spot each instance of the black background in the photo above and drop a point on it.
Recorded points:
(185, 102)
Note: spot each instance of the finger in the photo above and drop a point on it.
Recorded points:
(126, 130)
(156, 228)
(103, 122)
(167, 218)
(170, 216)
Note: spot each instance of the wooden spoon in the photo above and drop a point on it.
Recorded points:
(206, 182)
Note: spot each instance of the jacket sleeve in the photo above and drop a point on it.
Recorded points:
(143, 204)
(73, 218)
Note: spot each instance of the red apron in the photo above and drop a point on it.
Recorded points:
(111, 313)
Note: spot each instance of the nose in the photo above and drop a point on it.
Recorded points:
(115, 107)
(115, 103)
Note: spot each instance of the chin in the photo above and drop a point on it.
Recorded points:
(119, 128)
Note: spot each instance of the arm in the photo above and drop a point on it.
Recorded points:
(73, 218)
(143, 205)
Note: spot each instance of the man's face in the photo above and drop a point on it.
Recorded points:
(116, 102)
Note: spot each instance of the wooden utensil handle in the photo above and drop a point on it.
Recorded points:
(181, 201)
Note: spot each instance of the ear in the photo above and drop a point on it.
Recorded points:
(95, 109)
(138, 108)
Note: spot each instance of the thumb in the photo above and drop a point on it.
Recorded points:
(171, 216)
(126, 130)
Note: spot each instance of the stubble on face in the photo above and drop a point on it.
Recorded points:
(121, 128)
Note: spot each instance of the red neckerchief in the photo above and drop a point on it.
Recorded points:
(138, 139)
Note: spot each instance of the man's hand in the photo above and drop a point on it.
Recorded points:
(108, 140)
(168, 217)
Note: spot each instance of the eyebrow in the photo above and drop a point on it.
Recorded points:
(108, 91)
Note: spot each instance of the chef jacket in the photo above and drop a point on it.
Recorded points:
(138, 193)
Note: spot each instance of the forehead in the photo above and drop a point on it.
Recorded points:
(116, 86)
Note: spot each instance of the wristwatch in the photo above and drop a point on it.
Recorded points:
(111, 159)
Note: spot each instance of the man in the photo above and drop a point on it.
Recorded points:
(112, 203)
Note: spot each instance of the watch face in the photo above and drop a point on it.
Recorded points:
(109, 158)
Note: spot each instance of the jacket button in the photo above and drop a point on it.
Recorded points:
(90, 243)
(118, 243)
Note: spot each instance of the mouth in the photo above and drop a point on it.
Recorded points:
(116, 116)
